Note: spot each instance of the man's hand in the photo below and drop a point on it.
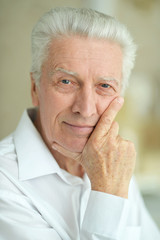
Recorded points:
(108, 160)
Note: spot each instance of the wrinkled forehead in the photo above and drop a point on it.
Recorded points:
(85, 57)
(84, 48)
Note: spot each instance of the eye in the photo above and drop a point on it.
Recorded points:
(105, 85)
(65, 85)
(105, 89)
(65, 81)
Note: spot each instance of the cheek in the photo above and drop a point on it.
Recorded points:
(52, 106)
(103, 103)
(49, 109)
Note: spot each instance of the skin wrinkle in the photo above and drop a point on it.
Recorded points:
(74, 74)
(63, 71)
(110, 81)
(87, 55)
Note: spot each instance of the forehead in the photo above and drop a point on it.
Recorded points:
(78, 47)
(82, 54)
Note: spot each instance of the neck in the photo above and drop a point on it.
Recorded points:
(70, 165)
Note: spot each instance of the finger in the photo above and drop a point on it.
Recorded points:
(65, 152)
(105, 122)
(111, 140)
(114, 130)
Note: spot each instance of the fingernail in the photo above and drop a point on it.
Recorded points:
(120, 100)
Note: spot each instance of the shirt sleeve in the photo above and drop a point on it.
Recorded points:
(109, 217)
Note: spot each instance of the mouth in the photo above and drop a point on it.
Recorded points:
(79, 130)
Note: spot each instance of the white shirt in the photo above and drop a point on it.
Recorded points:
(40, 201)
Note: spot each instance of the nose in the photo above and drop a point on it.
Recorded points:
(85, 102)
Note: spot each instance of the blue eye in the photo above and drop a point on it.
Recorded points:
(65, 81)
(105, 85)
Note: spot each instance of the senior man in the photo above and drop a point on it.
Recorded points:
(65, 171)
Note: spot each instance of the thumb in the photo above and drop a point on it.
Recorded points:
(107, 118)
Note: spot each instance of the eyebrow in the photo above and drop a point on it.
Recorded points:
(108, 79)
(64, 71)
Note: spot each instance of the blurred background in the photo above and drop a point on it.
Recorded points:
(140, 117)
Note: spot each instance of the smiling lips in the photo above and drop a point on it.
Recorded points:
(81, 130)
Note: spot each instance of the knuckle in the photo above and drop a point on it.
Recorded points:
(126, 147)
(131, 147)
(115, 124)
(95, 144)
(107, 120)
(119, 139)
(114, 128)
(111, 144)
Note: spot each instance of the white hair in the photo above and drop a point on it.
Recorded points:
(66, 21)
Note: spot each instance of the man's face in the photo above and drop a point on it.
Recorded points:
(79, 80)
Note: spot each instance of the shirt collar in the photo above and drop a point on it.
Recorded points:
(34, 158)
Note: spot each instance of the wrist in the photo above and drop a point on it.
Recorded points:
(106, 189)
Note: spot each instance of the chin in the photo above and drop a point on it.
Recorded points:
(76, 146)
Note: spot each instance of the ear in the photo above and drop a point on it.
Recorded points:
(34, 92)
